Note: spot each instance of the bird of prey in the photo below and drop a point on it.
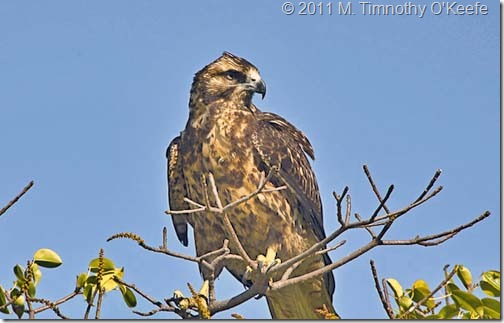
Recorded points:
(228, 136)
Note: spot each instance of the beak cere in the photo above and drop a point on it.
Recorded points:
(260, 87)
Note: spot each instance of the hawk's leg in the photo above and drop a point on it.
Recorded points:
(264, 264)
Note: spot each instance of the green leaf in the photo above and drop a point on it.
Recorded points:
(405, 302)
(108, 278)
(465, 276)
(420, 291)
(491, 308)
(467, 316)
(88, 293)
(19, 272)
(31, 289)
(489, 289)
(15, 293)
(37, 274)
(81, 280)
(396, 287)
(91, 280)
(3, 301)
(94, 265)
(448, 312)
(451, 287)
(128, 296)
(47, 258)
(467, 301)
(490, 283)
(492, 275)
(18, 305)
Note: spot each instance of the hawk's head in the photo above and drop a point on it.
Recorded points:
(227, 78)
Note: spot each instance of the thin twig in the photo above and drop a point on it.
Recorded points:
(434, 291)
(236, 241)
(430, 240)
(50, 305)
(31, 313)
(429, 186)
(208, 207)
(217, 252)
(15, 199)
(149, 298)
(325, 269)
(90, 304)
(188, 200)
(445, 270)
(385, 303)
(386, 295)
(204, 187)
(219, 306)
(172, 212)
(393, 216)
(329, 249)
(367, 227)
(227, 223)
(339, 199)
(57, 311)
(214, 191)
(290, 270)
(373, 187)
(165, 239)
(382, 203)
(150, 313)
(348, 209)
(99, 302)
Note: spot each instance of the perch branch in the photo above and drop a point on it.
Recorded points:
(264, 282)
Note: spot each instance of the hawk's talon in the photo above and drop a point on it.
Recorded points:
(275, 262)
(247, 275)
(266, 263)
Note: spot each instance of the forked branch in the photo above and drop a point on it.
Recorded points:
(281, 275)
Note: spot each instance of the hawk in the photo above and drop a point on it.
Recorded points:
(228, 136)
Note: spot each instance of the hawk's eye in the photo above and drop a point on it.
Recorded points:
(233, 75)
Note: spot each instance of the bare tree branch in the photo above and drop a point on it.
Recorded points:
(430, 185)
(52, 305)
(339, 200)
(385, 302)
(367, 227)
(263, 282)
(382, 203)
(430, 240)
(16, 198)
(149, 298)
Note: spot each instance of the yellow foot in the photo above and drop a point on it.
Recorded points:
(247, 276)
(265, 263)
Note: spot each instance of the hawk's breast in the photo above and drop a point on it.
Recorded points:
(224, 147)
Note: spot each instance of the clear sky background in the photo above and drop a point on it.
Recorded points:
(92, 92)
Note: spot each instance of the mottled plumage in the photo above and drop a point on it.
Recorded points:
(227, 135)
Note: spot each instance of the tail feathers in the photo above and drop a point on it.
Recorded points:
(300, 301)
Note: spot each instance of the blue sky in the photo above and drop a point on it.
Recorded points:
(92, 92)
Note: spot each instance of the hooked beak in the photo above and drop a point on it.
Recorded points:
(260, 87)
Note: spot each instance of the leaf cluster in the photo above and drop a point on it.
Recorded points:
(99, 279)
(27, 279)
(460, 297)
